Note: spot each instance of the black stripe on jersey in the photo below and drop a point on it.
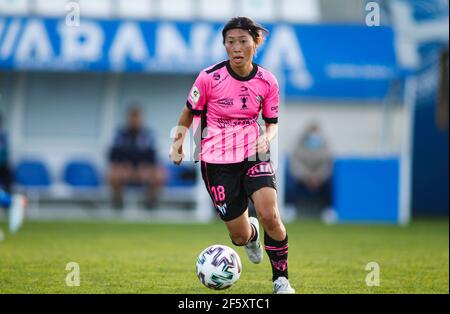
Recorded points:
(216, 67)
(195, 112)
(270, 120)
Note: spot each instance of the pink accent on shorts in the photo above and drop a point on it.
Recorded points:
(261, 169)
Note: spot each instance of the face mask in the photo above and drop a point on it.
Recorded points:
(313, 141)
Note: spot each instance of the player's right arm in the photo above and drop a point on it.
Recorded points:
(184, 123)
(194, 107)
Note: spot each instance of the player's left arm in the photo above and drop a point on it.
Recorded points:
(271, 131)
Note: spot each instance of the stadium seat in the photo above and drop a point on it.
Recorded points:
(81, 174)
(180, 176)
(181, 184)
(32, 173)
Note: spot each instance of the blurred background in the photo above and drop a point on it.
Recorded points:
(363, 113)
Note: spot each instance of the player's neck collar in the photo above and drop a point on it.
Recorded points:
(242, 78)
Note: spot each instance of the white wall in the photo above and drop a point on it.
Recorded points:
(351, 129)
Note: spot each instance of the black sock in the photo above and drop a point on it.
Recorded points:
(278, 255)
(254, 233)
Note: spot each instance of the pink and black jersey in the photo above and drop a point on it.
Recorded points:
(226, 108)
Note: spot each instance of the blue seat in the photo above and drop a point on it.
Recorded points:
(32, 173)
(81, 174)
(180, 176)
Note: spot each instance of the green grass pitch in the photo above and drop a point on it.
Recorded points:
(160, 258)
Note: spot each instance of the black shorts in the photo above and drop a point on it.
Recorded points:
(230, 185)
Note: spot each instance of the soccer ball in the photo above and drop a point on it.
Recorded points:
(218, 267)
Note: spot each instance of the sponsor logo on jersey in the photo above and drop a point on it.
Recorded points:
(226, 102)
(261, 169)
(225, 123)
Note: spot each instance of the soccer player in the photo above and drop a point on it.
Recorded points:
(226, 100)
(16, 205)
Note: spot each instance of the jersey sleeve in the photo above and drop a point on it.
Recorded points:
(199, 94)
(271, 102)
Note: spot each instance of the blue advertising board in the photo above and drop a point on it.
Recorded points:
(324, 61)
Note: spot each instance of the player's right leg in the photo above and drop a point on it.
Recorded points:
(244, 231)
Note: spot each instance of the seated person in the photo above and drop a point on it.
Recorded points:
(133, 161)
(311, 167)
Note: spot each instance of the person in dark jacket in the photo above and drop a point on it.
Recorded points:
(133, 159)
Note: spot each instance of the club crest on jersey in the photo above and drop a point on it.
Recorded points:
(244, 103)
(216, 76)
(262, 169)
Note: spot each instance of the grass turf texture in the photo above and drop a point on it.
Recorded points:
(160, 258)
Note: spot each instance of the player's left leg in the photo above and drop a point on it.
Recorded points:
(275, 237)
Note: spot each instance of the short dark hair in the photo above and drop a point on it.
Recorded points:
(245, 23)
